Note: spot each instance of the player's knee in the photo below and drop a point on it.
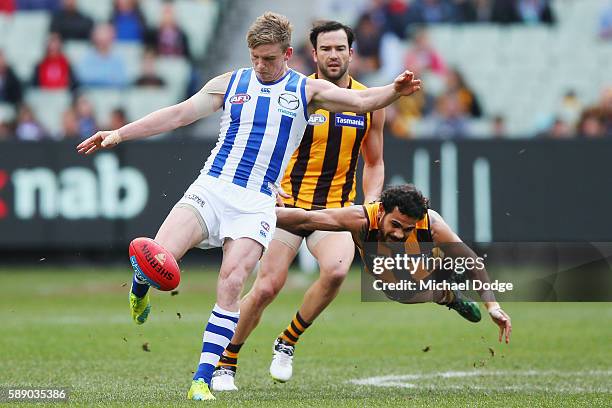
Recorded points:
(265, 291)
(334, 275)
(232, 276)
(231, 284)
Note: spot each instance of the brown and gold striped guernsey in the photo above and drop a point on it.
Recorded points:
(321, 172)
(371, 236)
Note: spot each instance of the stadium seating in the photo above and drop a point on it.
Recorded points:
(521, 71)
(49, 107)
(7, 112)
(23, 38)
(24, 41)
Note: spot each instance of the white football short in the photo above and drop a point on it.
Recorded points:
(230, 211)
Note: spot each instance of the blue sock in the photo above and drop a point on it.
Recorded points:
(139, 288)
(219, 331)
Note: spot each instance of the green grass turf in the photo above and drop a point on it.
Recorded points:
(72, 328)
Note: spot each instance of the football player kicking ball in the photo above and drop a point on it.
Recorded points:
(401, 216)
(231, 204)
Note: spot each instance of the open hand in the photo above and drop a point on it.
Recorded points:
(280, 194)
(502, 320)
(104, 139)
(405, 84)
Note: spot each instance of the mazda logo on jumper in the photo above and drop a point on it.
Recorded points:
(288, 101)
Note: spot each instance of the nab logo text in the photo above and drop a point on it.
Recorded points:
(74, 193)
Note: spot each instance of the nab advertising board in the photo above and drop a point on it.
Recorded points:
(527, 190)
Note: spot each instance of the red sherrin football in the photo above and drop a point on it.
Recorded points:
(154, 264)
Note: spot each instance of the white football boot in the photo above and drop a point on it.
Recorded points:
(281, 368)
(223, 379)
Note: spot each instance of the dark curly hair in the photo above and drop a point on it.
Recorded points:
(328, 26)
(407, 199)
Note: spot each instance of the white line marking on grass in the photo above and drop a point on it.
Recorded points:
(413, 380)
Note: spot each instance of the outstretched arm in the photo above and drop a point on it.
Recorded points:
(451, 245)
(323, 94)
(373, 164)
(208, 100)
(335, 219)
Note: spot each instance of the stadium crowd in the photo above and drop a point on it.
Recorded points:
(100, 66)
(384, 29)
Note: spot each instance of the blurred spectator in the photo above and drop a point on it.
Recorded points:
(483, 10)
(302, 60)
(128, 21)
(504, 12)
(6, 133)
(10, 87)
(455, 85)
(49, 5)
(85, 116)
(451, 120)
(498, 127)
(605, 22)
(431, 11)
(169, 40)
(535, 11)
(605, 105)
(591, 124)
(7, 6)
(54, 71)
(570, 108)
(148, 74)
(402, 114)
(70, 125)
(560, 129)
(28, 128)
(70, 23)
(464, 11)
(422, 57)
(118, 119)
(100, 66)
(390, 15)
(367, 43)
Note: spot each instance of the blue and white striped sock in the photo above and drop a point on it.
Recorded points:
(139, 287)
(219, 331)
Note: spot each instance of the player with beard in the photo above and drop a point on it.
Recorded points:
(320, 174)
(402, 221)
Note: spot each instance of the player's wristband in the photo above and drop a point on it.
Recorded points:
(493, 308)
(113, 139)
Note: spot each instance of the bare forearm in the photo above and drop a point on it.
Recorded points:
(291, 218)
(377, 98)
(160, 121)
(373, 180)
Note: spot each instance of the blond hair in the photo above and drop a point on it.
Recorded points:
(270, 28)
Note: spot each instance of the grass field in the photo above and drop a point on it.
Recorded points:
(72, 328)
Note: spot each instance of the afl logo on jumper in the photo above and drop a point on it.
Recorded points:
(288, 101)
(239, 99)
(316, 119)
